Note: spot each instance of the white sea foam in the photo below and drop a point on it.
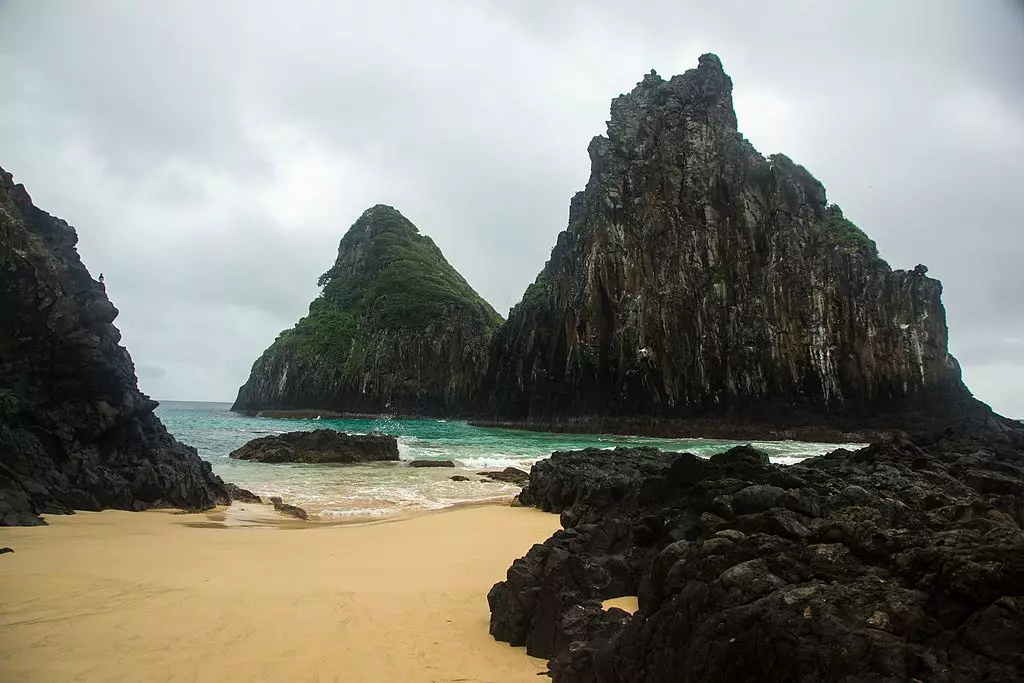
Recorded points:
(329, 513)
(497, 461)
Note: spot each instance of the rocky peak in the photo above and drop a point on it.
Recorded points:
(697, 276)
(395, 329)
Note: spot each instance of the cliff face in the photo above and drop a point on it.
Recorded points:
(697, 275)
(75, 431)
(396, 329)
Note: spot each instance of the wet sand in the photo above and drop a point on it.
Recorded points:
(234, 596)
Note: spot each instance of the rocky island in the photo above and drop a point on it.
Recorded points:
(700, 287)
(395, 330)
(75, 431)
(319, 446)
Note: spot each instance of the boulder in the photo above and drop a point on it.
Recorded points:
(291, 510)
(431, 463)
(242, 495)
(509, 475)
(319, 446)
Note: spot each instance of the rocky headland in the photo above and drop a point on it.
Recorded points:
(900, 561)
(318, 447)
(702, 288)
(75, 431)
(395, 330)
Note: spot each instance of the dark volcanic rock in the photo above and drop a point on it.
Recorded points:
(5, 550)
(901, 561)
(319, 446)
(509, 475)
(459, 477)
(395, 330)
(431, 463)
(242, 495)
(698, 277)
(291, 510)
(75, 431)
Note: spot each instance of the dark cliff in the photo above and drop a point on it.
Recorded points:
(75, 431)
(396, 329)
(697, 276)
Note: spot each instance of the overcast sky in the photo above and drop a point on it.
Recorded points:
(212, 154)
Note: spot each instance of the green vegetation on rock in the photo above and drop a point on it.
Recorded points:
(395, 277)
(394, 323)
(844, 234)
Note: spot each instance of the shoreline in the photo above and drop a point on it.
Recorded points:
(263, 515)
(118, 595)
(702, 428)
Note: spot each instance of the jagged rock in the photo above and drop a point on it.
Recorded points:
(396, 329)
(459, 477)
(900, 561)
(242, 495)
(697, 277)
(319, 446)
(431, 463)
(291, 510)
(509, 475)
(75, 431)
(610, 478)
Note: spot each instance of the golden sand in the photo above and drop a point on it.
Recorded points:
(161, 596)
(626, 602)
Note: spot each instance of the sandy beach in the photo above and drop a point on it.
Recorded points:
(163, 596)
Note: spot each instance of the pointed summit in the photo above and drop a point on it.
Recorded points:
(696, 277)
(395, 329)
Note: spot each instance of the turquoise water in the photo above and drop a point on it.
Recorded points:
(388, 489)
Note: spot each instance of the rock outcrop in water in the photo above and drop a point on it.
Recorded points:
(901, 561)
(319, 446)
(395, 330)
(697, 276)
(75, 431)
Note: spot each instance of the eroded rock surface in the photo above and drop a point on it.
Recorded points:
(697, 277)
(900, 561)
(75, 431)
(319, 446)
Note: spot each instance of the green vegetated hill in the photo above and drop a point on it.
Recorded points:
(396, 329)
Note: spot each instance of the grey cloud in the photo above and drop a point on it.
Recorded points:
(212, 155)
(145, 372)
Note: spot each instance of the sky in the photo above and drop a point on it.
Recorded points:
(211, 155)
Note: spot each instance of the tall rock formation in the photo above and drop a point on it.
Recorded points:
(697, 276)
(396, 329)
(75, 431)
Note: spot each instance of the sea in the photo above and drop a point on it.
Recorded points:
(335, 492)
